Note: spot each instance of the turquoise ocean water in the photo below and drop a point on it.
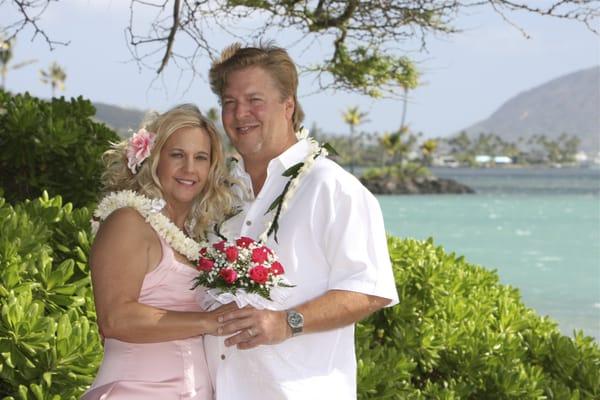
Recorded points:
(539, 228)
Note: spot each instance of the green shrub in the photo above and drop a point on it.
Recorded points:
(459, 334)
(53, 146)
(49, 345)
(456, 333)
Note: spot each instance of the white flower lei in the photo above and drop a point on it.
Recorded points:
(150, 210)
(315, 151)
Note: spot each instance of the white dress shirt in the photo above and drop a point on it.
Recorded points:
(331, 237)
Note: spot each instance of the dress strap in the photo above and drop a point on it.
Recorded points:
(167, 252)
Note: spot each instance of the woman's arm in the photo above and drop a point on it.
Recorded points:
(124, 250)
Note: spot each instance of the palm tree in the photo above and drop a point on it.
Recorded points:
(353, 117)
(55, 76)
(397, 145)
(428, 148)
(213, 115)
(389, 143)
(409, 80)
(6, 54)
(5, 57)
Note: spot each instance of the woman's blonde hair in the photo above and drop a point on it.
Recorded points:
(216, 200)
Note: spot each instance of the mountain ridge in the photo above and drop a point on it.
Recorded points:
(121, 119)
(567, 104)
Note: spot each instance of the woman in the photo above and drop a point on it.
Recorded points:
(149, 317)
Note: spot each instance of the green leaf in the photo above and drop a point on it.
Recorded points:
(330, 149)
(23, 392)
(37, 391)
(47, 376)
(293, 170)
(275, 203)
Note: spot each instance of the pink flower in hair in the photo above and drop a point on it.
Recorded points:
(139, 148)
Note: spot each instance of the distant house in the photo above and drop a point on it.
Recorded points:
(581, 158)
(484, 159)
(503, 160)
(446, 161)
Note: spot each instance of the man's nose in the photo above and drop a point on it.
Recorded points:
(241, 110)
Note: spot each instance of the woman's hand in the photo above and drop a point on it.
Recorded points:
(212, 317)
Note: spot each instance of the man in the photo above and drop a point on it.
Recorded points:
(331, 242)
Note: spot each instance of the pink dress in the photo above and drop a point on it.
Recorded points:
(165, 370)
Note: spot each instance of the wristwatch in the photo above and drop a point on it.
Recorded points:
(296, 321)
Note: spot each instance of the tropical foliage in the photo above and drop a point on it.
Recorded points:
(537, 149)
(459, 334)
(456, 333)
(49, 344)
(53, 146)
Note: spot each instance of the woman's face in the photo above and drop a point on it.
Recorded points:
(183, 165)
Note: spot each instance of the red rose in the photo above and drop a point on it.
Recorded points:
(220, 246)
(259, 274)
(244, 241)
(203, 251)
(277, 268)
(205, 264)
(231, 253)
(260, 254)
(229, 275)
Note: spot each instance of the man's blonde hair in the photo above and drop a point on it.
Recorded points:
(272, 59)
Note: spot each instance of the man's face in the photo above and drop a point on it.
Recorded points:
(256, 119)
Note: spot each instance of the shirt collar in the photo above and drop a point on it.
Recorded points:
(293, 155)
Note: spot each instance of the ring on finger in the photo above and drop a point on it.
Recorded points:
(250, 332)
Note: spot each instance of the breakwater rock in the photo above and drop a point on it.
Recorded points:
(415, 185)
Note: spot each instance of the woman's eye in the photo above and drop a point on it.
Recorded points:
(176, 155)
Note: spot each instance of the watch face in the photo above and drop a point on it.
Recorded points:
(295, 319)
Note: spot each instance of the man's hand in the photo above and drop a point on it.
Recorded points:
(254, 327)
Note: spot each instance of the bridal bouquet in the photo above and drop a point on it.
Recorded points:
(244, 271)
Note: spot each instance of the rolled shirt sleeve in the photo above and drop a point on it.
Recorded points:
(355, 243)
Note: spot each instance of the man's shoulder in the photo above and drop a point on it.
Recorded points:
(330, 174)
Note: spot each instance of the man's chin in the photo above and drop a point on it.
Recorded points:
(247, 149)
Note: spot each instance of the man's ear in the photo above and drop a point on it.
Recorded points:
(290, 106)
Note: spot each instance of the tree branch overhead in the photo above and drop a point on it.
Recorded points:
(366, 41)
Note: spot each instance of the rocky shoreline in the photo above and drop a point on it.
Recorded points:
(417, 185)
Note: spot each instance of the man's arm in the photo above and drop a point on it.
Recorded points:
(352, 237)
(334, 309)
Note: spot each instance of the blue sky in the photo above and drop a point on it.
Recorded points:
(465, 76)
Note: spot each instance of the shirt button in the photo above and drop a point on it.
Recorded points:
(248, 223)
(222, 356)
